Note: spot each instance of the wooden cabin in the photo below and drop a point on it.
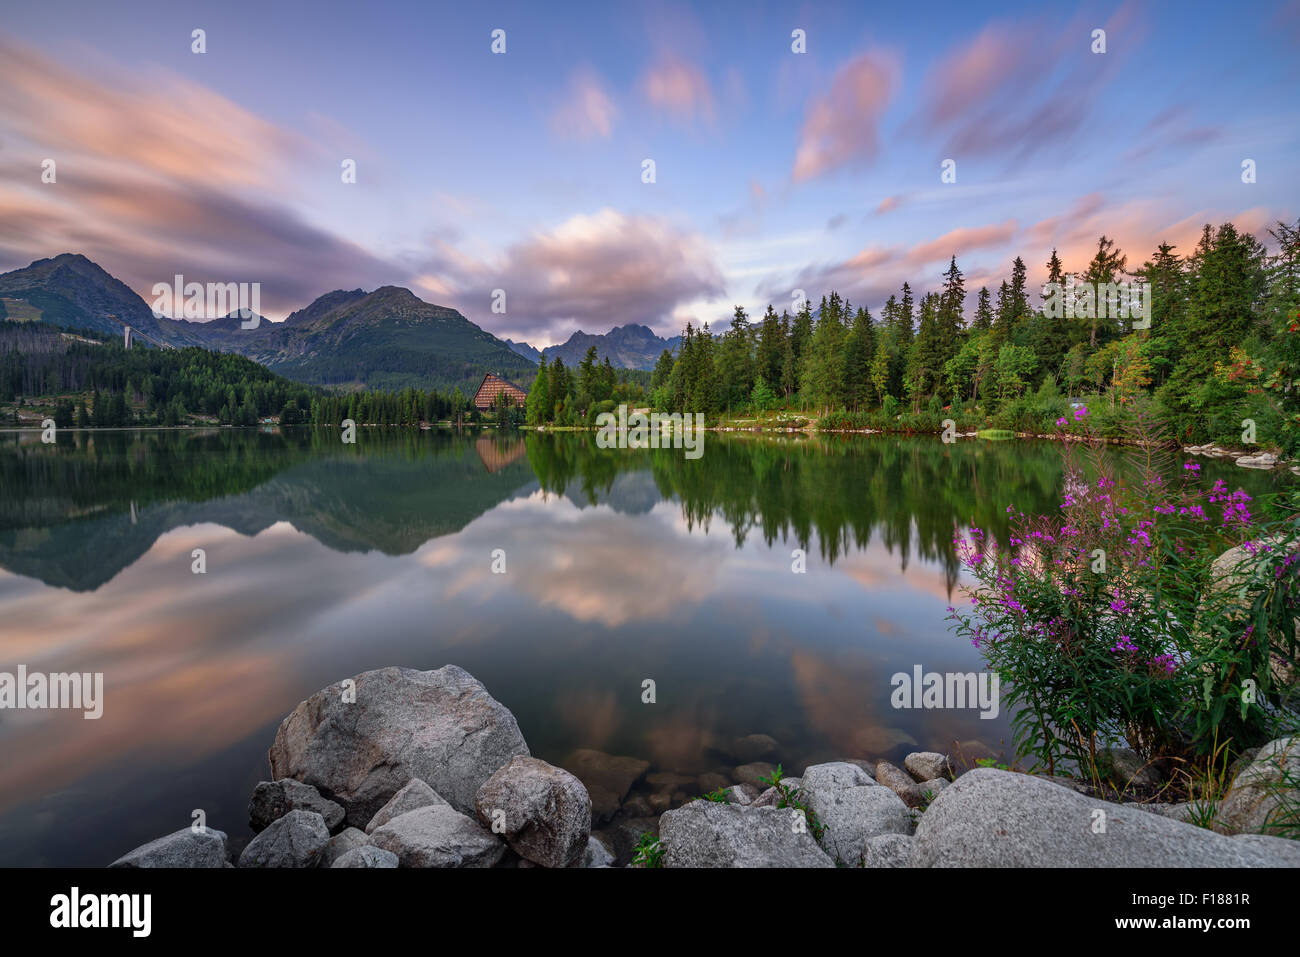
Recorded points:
(492, 386)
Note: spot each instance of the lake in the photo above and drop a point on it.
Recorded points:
(324, 560)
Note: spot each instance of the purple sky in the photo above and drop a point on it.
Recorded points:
(775, 170)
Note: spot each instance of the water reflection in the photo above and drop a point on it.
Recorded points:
(324, 560)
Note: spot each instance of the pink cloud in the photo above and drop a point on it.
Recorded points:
(840, 128)
(680, 88)
(589, 112)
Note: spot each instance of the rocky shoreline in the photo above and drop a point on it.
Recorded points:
(404, 768)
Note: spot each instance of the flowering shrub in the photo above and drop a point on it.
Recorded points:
(1112, 621)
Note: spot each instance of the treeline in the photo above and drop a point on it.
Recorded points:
(569, 397)
(1222, 347)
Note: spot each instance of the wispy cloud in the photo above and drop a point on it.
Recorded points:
(841, 128)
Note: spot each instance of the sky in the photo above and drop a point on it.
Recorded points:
(775, 171)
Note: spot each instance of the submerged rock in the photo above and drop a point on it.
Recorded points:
(360, 747)
(607, 778)
(184, 848)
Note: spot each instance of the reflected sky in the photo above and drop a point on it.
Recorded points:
(620, 565)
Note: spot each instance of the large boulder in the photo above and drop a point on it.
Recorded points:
(991, 818)
(205, 847)
(888, 850)
(851, 807)
(542, 811)
(607, 778)
(1265, 796)
(416, 794)
(360, 749)
(272, 800)
(298, 839)
(710, 834)
(438, 836)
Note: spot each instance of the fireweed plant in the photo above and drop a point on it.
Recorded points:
(1112, 621)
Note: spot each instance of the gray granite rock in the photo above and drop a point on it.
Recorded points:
(542, 811)
(438, 836)
(991, 818)
(888, 850)
(415, 794)
(439, 726)
(708, 834)
(187, 847)
(1257, 799)
(367, 855)
(298, 839)
(272, 800)
(342, 842)
(851, 807)
(928, 765)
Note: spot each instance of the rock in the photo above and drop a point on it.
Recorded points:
(623, 835)
(272, 800)
(709, 782)
(792, 784)
(595, 854)
(669, 781)
(851, 807)
(638, 805)
(991, 818)
(547, 813)
(931, 789)
(439, 726)
(708, 834)
(1255, 801)
(887, 850)
(183, 848)
(1264, 460)
(970, 753)
(1284, 849)
(342, 842)
(438, 836)
(416, 794)
(754, 772)
(868, 766)
(742, 794)
(1125, 769)
(298, 839)
(367, 855)
(877, 740)
(928, 765)
(606, 777)
(1078, 787)
(769, 798)
(900, 782)
(756, 747)
(1231, 572)
(659, 802)
(1177, 812)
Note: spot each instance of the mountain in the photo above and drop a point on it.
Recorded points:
(385, 339)
(73, 292)
(525, 350)
(628, 347)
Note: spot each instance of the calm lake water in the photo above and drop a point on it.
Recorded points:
(325, 560)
